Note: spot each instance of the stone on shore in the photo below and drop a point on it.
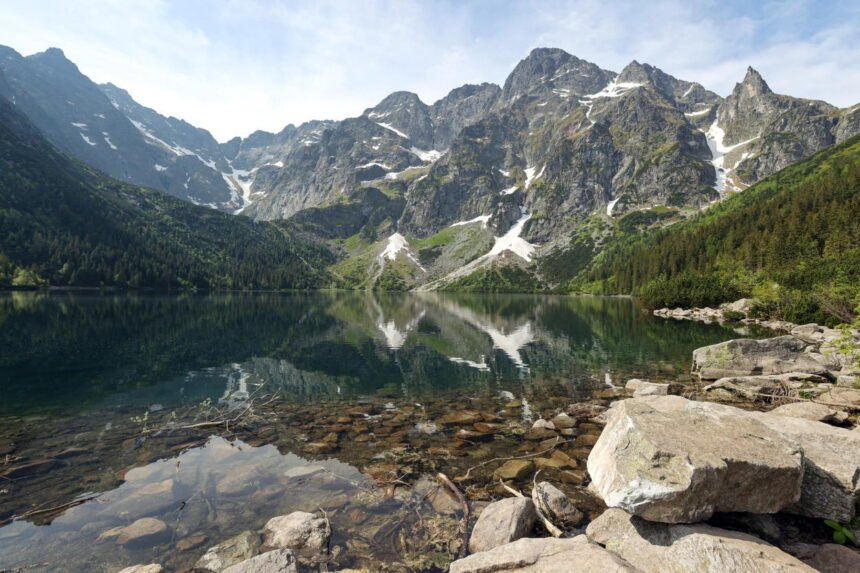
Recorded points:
(651, 389)
(501, 522)
(144, 532)
(668, 459)
(811, 411)
(151, 568)
(831, 466)
(561, 509)
(277, 561)
(230, 552)
(300, 531)
(832, 558)
(662, 548)
(754, 387)
(544, 555)
(748, 357)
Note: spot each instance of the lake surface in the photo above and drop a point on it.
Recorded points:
(329, 392)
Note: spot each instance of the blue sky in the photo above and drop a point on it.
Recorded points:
(233, 66)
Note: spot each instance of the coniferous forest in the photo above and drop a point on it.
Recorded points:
(65, 224)
(792, 241)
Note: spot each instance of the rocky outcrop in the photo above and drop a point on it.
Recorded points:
(748, 357)
(277, 561)
(502, 522)
(662, 548)
(672, 460)
(547, 555)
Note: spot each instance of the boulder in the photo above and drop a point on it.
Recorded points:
(151, 568)
(501, 522)
(811, 411)
(753, 387)
(672, 460)
(277, 561)
(300, 531)
(634, 383)
(144, 532)
(831, 466)
(651, 389)
(749, 357)
(832, 558)
(743, 305)
(544, 555)
(560, 508)
(662, 548)
(233, 551)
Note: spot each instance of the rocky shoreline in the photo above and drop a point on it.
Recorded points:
(688, 485)
(737, 311)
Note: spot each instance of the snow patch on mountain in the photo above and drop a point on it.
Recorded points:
(106, 136)
(397, 244)
(483, 219)
(390, 127)
(611, 206)
(509, 190)
(511, 241)
(715, 137)
(87, 139)
(427, 156)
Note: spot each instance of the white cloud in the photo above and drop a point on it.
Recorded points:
(234, 66)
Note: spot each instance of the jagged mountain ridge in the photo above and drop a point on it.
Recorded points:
(562, 141)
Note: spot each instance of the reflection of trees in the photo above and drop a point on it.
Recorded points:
(82, 348)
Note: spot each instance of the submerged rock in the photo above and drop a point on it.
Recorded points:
(144, 532)
(672, 460)
(544, 555)
(300, 531)
(277, 561)
(502, 522)
(233, 551)
(514, 469)
(661, 548)
(561, 509)
(748, 357)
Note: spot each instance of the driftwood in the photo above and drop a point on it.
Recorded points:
(444, 480)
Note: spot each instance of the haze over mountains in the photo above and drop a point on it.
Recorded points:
(425, 194)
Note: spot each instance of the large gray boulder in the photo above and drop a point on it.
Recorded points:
(831, 466)
(661, 548)
(501, 522)
(810, 411)
(300, 531)
(277, 561)
(544, 555)
(748, 357)
(672, 460)
(754, 387)
(832, 558)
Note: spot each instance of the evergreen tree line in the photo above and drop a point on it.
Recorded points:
(64, 224)
(792, 241)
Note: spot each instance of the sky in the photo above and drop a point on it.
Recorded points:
(235, 66)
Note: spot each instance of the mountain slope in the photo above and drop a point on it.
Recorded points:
(111, 132)
(66, 224)
(793, 240)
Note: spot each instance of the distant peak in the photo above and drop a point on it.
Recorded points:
(754, 84)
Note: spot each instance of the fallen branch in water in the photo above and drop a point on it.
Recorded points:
(554, 446)
(54, 509)
(450, 485)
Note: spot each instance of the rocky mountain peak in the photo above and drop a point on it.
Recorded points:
(547, 69)
(753, 85)
(55, 59)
